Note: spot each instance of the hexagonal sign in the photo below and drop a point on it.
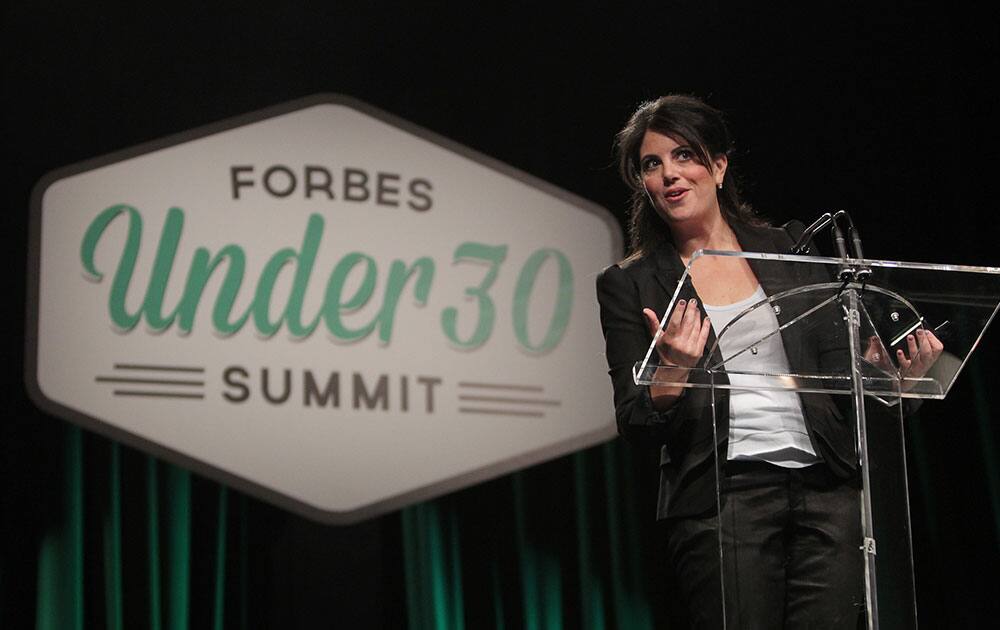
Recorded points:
(322, 305)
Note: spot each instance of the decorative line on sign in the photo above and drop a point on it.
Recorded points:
(162, 368)
(502, 412)
(147, 381)
(519, 401)
(163, 387)
(120, 392)
(523, 388)
(492, 401)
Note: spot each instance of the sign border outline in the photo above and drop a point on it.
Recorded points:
(242, 484)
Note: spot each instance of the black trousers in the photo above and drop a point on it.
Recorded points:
(790, 547)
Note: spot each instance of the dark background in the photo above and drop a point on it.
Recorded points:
(887, 110)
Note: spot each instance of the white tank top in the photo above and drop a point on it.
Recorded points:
(764, 425)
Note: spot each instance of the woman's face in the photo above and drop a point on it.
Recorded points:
(680, 187)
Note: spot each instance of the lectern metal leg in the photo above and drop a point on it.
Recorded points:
(867, 547)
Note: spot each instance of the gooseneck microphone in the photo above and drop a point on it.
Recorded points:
(802, 245)
(840, 243)
(863, 272)
(860, 273)
(846, 273)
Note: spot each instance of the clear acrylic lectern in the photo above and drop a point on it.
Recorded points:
(841, 323)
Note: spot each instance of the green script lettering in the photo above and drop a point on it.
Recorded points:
(201, 270)
(335, 306)
(399, 274)
(522, 297)
(126, 264)
(152, 305)
(204, 264)
(306, 257)
(476, 252)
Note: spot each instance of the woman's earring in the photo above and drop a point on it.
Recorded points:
(719, 185)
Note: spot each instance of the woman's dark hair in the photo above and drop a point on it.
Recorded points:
(699, 125)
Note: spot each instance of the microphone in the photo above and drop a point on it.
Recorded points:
(802, 245)
(840, 242)
(846, 273)
(856, 240)
(861, 274)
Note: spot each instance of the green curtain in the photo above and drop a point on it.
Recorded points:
(570, 528)
(567, 544)
(531, 568)
(67, 570)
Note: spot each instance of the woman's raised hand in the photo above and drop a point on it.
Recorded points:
(683, 339)
(922, 349)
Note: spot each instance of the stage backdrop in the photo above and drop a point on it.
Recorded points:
(322, 305)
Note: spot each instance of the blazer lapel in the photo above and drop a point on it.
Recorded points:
(669, 269)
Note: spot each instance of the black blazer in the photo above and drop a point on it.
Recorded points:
(684, 432)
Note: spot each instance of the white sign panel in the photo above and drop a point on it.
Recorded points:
(322, 305)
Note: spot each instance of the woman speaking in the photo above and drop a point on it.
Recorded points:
(787, 518)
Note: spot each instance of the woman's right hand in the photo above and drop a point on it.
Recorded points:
(683, 339)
